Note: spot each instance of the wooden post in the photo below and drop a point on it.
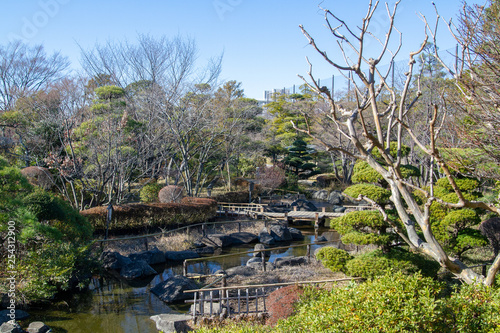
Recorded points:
(308, 253)
(239, 226)
(263, 256)
(323, 209)
(484, 270)
(203, 230)
(185, 268)
(294, 208)
(146, 243)
(316, 220)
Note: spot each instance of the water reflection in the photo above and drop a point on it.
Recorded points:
(118, 306)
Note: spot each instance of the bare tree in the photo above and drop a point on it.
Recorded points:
(25, 69)
(373, 124)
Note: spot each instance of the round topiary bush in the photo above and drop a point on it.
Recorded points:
(149, 193)
(170, 193)
(39, 176)
(333, 258)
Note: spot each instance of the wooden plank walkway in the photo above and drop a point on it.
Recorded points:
(300, 215)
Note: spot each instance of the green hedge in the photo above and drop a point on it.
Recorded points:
(377, 263)
(136, 216)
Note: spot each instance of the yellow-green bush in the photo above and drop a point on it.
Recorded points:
(333, 258)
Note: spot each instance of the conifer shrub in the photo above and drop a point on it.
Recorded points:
(377, 263)
(376, 193)
(333, 258)
(149, 192)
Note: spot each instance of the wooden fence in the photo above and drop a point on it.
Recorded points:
(244, 299)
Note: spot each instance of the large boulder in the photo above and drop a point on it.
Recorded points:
(172, 322)
(256, 263)
(241, 271)
(303, 204)
(181, 255)
(217, 240)
(280, 233)
(114, 260)
(296, 234)
(11, 327)
(18, 315)
(172, 290)
(320, 195)
(137, 269)
(290, 261)
(266, 238)
(38, 327)
(152, 257)
(243, 238)
(336, 198)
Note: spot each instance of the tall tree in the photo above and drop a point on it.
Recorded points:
(380, 123)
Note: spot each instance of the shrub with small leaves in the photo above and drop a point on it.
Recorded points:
(149, 193)
(170, 193)
(333, 258)
(377, 263)
(376, 193)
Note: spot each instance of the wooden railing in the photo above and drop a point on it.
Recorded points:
(245, 299)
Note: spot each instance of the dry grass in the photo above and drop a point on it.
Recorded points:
(179, 241)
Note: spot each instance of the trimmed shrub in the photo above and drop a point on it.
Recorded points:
(138, 216)
(363, 228)
(149, 193)
(235, 197)
(170, 193)
(333, 258)
(39, 176)
(376, 193)
(377, 263)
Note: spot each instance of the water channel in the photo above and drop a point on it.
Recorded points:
(113, 305)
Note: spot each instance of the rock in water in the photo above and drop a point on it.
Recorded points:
(172, 290)
(137, 269)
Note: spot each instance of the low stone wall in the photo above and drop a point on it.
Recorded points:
(140, 215)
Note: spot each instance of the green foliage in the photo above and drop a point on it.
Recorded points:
(149, 193)
(393, 151)
(464, 184)
(376, 193)
(377, 263)
(52, 236)
(298, 159)
(392, 303)
(362, 228)
(109, 92)
(364, 173)
(408, 171)
(333, 258)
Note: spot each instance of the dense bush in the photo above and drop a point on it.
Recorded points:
(363, 228)
(376, 193)
(391, 303)
(39, 176)
(149, 193)
(377, 263)
(280, 303)
(52, 238)
(234, 197)
(170, 193)
(333, 258)
(138, 216)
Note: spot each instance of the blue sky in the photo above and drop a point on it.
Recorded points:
(262, 44)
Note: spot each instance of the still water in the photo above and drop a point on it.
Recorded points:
(116, 306)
